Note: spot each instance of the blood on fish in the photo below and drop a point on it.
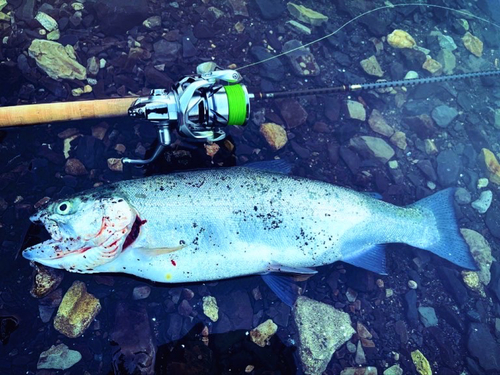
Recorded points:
(173, 262)
(134, 232)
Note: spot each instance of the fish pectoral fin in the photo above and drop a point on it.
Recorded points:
(371, 258)
(160, 250)
(283, 286)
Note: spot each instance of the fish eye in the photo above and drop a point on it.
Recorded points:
(63, 208)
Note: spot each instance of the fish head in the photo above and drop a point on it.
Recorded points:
(86, 231)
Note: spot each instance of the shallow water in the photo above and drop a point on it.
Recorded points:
(136, 59)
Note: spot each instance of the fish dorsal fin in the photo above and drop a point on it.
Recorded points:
(370, 258)
(160, 250)
(276, 166)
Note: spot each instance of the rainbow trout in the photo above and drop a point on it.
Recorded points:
(217, 224)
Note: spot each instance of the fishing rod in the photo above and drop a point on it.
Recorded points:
(199, 106)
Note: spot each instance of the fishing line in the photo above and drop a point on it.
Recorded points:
(463, 12)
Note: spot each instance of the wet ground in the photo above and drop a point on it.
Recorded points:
(34, 166)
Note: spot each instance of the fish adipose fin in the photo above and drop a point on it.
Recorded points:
(283, 285)
(370, 258)
(451, 245)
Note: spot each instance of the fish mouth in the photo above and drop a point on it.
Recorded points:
(51, 251)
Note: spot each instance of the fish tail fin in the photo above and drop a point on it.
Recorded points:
(451, 245)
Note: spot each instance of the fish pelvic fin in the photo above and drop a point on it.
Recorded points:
(371, 258)
(451, 245)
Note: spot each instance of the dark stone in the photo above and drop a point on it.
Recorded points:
(378, 23)
(188, 48)
(270, 9)
(444, 115)
(413, 59)
(446, 351)
(448, 167)
(351, 159)
(333, 153)
(427, 169)
(272, 69)
(466, 101)
(482, 346)
(116, 17)
(166, 51)
(452, 317)
(237, 304)
(203, 30)
(411, 307)
(342, 58)
(453, 285)
(360, 279)
(494, 284)
(90, 151)
(492, 220)
(157, 79)
(477, 136)
(26, 12)
(473, 316)
(473, 367)
(292, 112)
(135, 350)
(301, 152)
(416, 108)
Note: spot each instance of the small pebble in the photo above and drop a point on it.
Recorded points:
(482, 183)
(389, 293)
(412, 284)
(380, 283)
(141, 292)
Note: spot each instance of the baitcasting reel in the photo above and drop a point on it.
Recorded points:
(197, 106)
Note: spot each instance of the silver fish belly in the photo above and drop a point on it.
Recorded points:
(223, 223)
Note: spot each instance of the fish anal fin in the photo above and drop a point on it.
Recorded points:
(275, 267)
(371, 258)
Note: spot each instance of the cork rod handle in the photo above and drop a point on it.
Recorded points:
(33, 114)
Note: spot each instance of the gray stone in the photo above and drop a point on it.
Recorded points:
(444, 115)
(58, 358)
(428, 316)
(462, 196)
(270, 9)
(372, 147)
(482, 204)
(481, 251)
(322, 330)
(166, 51)
(141, 292)
(448, 167)
(394, 370)
(272, 69)
(482, 346)
(302, 60)
(354, 110)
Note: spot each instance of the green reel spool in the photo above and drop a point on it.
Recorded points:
(238, 104)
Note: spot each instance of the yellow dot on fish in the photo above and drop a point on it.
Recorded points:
(168, 276)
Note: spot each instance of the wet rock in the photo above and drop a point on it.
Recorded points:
(302, 60)
(398, 139)
(135, 350)
(452, 316)
(471, 281)
(401, 39)
(115, 164)
(447, 60)
(57, 61)
(482, 204)
(453, 284)
(166, 51)
(444, 115)
(491, 165)
(210, 308)
(427, 169)
(49, 304)
(116, 17)
(411, 307)
(274, 135)
(270, 9)
(359, 371)
(322, 330)
(473, 44)
(296, 26)
(75, 167)
(372, 67)
(462, 196)
(428, 316)
(58, 358)
(481, 251)
(272, 69)
(360, 357)
(482, 346)
(45, 280)
(263, 333)
(422, 125)
(152, 23)
(394, 370)
(301, 152)
(46, 21)
(372, 147)
(355, 110)
(77, 311)
(292, 112)
(448, 167)
(306, 15)
(379, 125)
(141, 292)
(421, 363)
(239, 7)
(432, 66)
